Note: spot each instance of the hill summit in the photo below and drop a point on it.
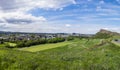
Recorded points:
(105, 34)
(108, 32)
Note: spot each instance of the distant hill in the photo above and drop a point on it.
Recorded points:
(106, 34)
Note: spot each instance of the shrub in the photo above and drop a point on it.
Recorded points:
(70, 38)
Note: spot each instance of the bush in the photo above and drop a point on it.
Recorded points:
(8, 46)
(21, 44)
(70, 38)
(55, 40)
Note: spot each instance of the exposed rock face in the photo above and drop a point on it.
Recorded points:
(104, 34)
(108, 32)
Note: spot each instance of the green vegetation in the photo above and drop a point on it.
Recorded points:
(102, 36)
(8, 45)
(28, 43)
(70, 38)
(78, 54)
(45, 47)
(2, 45)
(11, 44)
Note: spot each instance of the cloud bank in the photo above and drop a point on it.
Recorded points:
(14, 14)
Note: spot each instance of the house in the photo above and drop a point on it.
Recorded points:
(3, 38)
(50, 36)
(75, 34)
(63, 35)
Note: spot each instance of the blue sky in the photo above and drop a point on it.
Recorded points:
(80, 16)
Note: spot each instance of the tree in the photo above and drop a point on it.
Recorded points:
(21, 44)
(70, 38)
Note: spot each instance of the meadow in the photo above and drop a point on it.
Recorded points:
(44, 46)
(80, 54)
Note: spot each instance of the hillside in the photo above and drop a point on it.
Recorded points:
(77, 54)
(106, 34)
(80, 55)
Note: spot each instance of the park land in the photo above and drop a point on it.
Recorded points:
(96, 52)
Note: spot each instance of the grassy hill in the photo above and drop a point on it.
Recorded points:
(108, 32)
(44, 47)
(103, 34)
(84, 54)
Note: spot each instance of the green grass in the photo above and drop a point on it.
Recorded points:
(78, 55)
(2, 45)
(44, 47)
(12, 44)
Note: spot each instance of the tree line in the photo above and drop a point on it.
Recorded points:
(28, 43)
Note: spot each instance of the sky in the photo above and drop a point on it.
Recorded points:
(59, 16)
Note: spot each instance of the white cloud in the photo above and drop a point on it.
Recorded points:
(115, 29)
(68, 25)
(19, 17)
(14, 11)
(30, 4)
(11, 10)
(13, 14)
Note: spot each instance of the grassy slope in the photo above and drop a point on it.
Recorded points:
(44, 47)
(12, 44)
(9, 43)
(79, 55)
(2, 45)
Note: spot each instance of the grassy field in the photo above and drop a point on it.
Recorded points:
(45, 47)
(81, 54)
(2, 45)
(62, 44)
(12, 44)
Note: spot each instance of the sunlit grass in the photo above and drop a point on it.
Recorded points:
(44, 47)
(76, 55)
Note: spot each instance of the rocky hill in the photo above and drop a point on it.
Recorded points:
(106, 34)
